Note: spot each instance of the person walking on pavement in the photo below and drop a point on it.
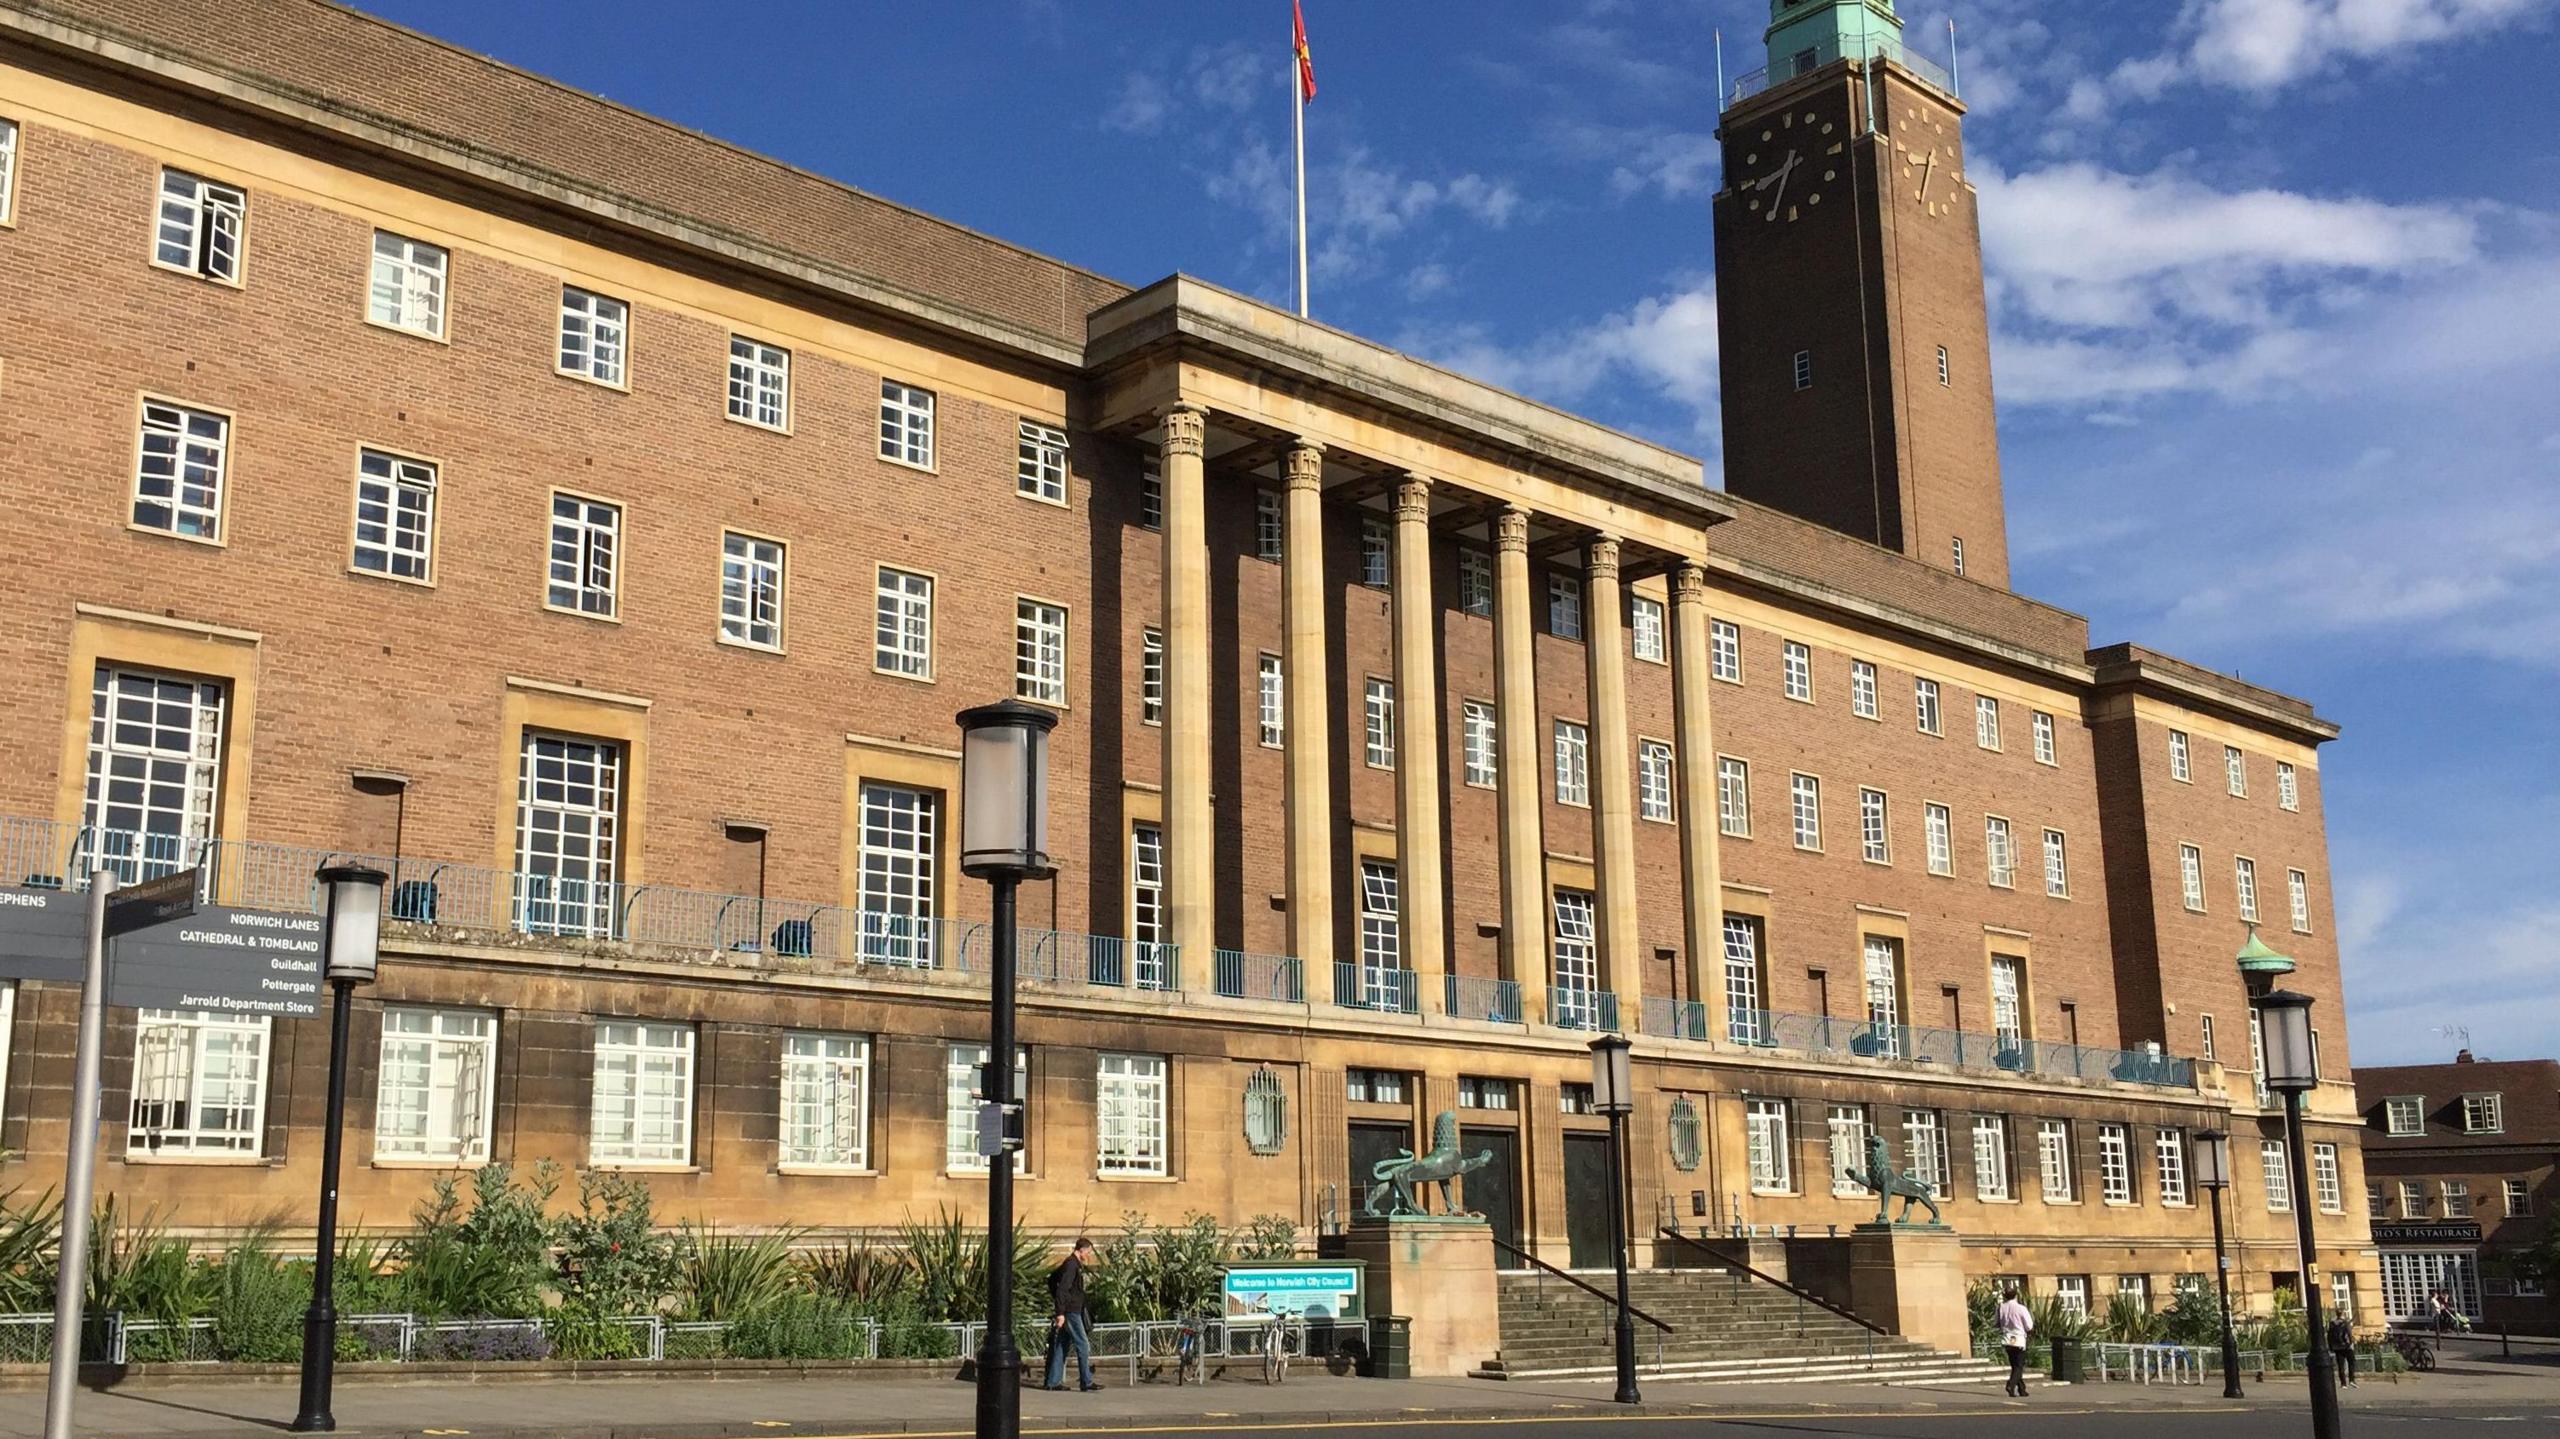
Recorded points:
(1067, 1323)
(2342, 1348)
(2015, 1324)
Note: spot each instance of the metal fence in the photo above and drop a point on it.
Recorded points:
(1571, 1006)
(1957, 1049)
(1274, 977)
(1375, 987)
(1496, 1001)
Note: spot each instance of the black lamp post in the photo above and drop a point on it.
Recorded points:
(2292, 1070)
(1004, 839)
(2213, 1172)
(1613, 1094)
(352, 940)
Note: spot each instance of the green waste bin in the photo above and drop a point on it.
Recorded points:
(1390, 1348)
(2070, 1361)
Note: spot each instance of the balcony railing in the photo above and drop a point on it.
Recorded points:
(1496, 1001)
(1955, 1049)
(1874, 45)
(1570, 1006)
(1274, 977)
(1375, 987)
(1675, 1018)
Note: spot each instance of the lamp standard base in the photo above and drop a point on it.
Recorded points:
(999, 1387)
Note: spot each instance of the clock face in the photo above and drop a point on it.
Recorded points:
(1788, 165)
(1930, 178)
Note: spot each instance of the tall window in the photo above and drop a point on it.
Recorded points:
(2169, 1156)
(1884, 996)
(2204, 1035)
(2258, 1052)
(1564, 607)
(1577, 960)
(906, 424)
(2115, 1163)
(2191, 877)
(1924, 704)
(1270, 702)
(1799, 671)
(1804, 369)
(2518, 1196)
(1151, 676)
(897, 888)
(2057, 866)
(2008, 1004)
(1653, 781)
(435, 1085)
(1765, 1139)
(1270, 526)
(2297, 893)
(1986, 722)
(395, 516)
(2413, 1199)
(2244, 875)
(1745, 1021)
(200, 226)
(1476, 737)
(8, 170)
(759, 383)
(2235, 770)
(826, 1100)
(1378, 713)
(2288, 786)
(902, 628)
(1130, 1112)
(595, 335)
(2053, 1160)
(2324, 1179)
(586, 555)
(1377, 564)
(1990, 1156)
(1724, 647)
(2071, 1294)
(1805, 794)
(2178, 766)
(1924, 1149)
(1957, 553)
(2044, 737)
(1475, 582)
(1151, 495)
(1862, 689)
(568, 835)
(643, 1110)
(1847, 1126)
(751, 591)
(1040, 462)
(155, 767)
(1573, 763)
(1146, 903)
(179, 476)
(1999, 857)
(1040, 651)
(1381, 936)
(1944, 378)
(2279, 1180)
(1872, 830)
(407, 289)
(962, 1068)
(199, 1083)
(1733, 796)
(1645, 624)
(1940, 825)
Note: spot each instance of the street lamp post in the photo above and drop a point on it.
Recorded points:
(2213, 1172)
(1613, 1094)
(1004, 839)
(351, 953)
(2292, 1070)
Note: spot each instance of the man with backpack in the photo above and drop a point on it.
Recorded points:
(2342, 1348)
(1067, 1323)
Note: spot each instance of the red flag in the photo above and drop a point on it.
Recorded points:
(1306, 60)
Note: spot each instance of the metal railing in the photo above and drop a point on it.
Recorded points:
(1570, 1006)
(1064, 959)
(1242, 975)
(1543, 1271)
(1866, 48)
(1956, 1049)
(1806, 1299)
(1375, 987)
(1496, 1001)
(1675, 1018)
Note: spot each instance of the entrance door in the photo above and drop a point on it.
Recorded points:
(1586, 1199)
(1494, 1191)
(1371, 1142)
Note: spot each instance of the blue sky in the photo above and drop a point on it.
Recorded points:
(2275, 298)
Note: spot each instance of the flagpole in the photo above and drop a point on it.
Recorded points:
(1298, 124)
(1720, 98)
(1955, 77)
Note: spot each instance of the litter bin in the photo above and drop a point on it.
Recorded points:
(2070, 1361)
(1390, 1348)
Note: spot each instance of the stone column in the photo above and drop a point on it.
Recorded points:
(1694, 766)
(1517, 747)
(1418, 747)
(1307, 716)
(1190, 876)
(1613, 815)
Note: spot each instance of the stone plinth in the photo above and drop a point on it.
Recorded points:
(1910, 1281)
(1438, 1273)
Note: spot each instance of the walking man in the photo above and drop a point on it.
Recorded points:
(2015, 1325)
(1067, 1324)
(2342, 1348)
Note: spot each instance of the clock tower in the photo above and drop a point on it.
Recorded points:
(1854, 349)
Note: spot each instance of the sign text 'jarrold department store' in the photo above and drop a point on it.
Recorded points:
(234, 961)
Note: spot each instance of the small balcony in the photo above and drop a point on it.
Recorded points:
(1954, 1049)
(1376, 988)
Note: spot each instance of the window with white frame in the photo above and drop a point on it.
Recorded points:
(2258, 1052)
(1653, 781)
(395, 520)
(1146, 903)
(1475, 726)
(1924, 1150)
(759, 383)
(1873, 834)
(1944, 378)
(1999, 861)
(1862, 690)
(2053, 1161)
(2169, 1156)
(1480, 1092)
(199, 1083)
(568, 835)
(2135, 1289)
(963, 1070)
(407, 285)
(1377, 562)
(2204, 1037)
(1847, 1129)
(906, 424)
(1733, 796)
(2324, 1179)
(2413, 1199)
(1804, 369)
(1939, 824)
(2191, 877)
(2297, 891)
(1765, 1140)
(1798, 663)
(2403, 1114)
(1564, 606)
(2043, 724)
(8, 170)
(2071, 1294)
(1577, 959)
(1475, 582)
(1745, 1021)
(2279, 1182)
(902, 629)
(2178, 766)
(1884, 995)
(1151, 676)
(586, 555)
(2288, 786)
(1387, 1086)
(1040, 462)
(180, 473)
(1130, 1113)
(2235, 770)
(1270, 526)
(1986, 722)
(2457, 1199)
(2519, 1198)
(643, 1110)
(1924, 705)
(436, 1084)
(1151, 494)
(1573, 763)
(1378, 724)
(826, 1100)
(595, 335)
(1270, 702)
(1645, 625)
(2008, 1001)
(2057, 865)
(1724, 648)
(2484, 1113)
(154, 765)
(1958, 554)
(1991, 1156)
(1805, 795)
(1381, 928)
(2376, 1206)
(2115, 1163)
(200, 226)
(898, 883)
(1039, 651)
(751, 591)
(2244, 875)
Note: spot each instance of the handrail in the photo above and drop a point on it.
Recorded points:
(1808, 1296)
(1611, 1300)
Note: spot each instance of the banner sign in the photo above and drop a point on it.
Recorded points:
(232, 961)
(1301, 1291)
(2451, 1233)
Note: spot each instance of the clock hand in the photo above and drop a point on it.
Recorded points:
(1778, 178)
(1928, 172)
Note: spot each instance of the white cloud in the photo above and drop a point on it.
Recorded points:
(1677, 163)
(1665, 344)
(1140, 108)
(2262, 46)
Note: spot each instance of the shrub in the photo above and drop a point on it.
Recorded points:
(491, 1261)
(949, 1261)
(867, 1276)
(2194, 1315)
(1982, 1311)
(798, 1326)
(258, 1304)
(614, 1259)
(1266, 1237)
(727, 1275)
(575, 1331)
(30, 1238)
(2130, 1321)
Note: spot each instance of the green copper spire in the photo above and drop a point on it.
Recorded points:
(2256, 958)
(1807, 34)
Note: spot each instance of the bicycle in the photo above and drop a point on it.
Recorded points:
(1190, 1351)
(1275, 1351)
(2414, 1350)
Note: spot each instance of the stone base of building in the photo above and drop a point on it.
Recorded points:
(1910, 1281)
(1438, 1273)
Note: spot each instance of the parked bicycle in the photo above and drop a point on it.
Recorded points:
(2414, 1350)
(1191, 1350)
(1280, 1338)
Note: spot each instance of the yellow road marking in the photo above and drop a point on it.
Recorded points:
(1282, 1423)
